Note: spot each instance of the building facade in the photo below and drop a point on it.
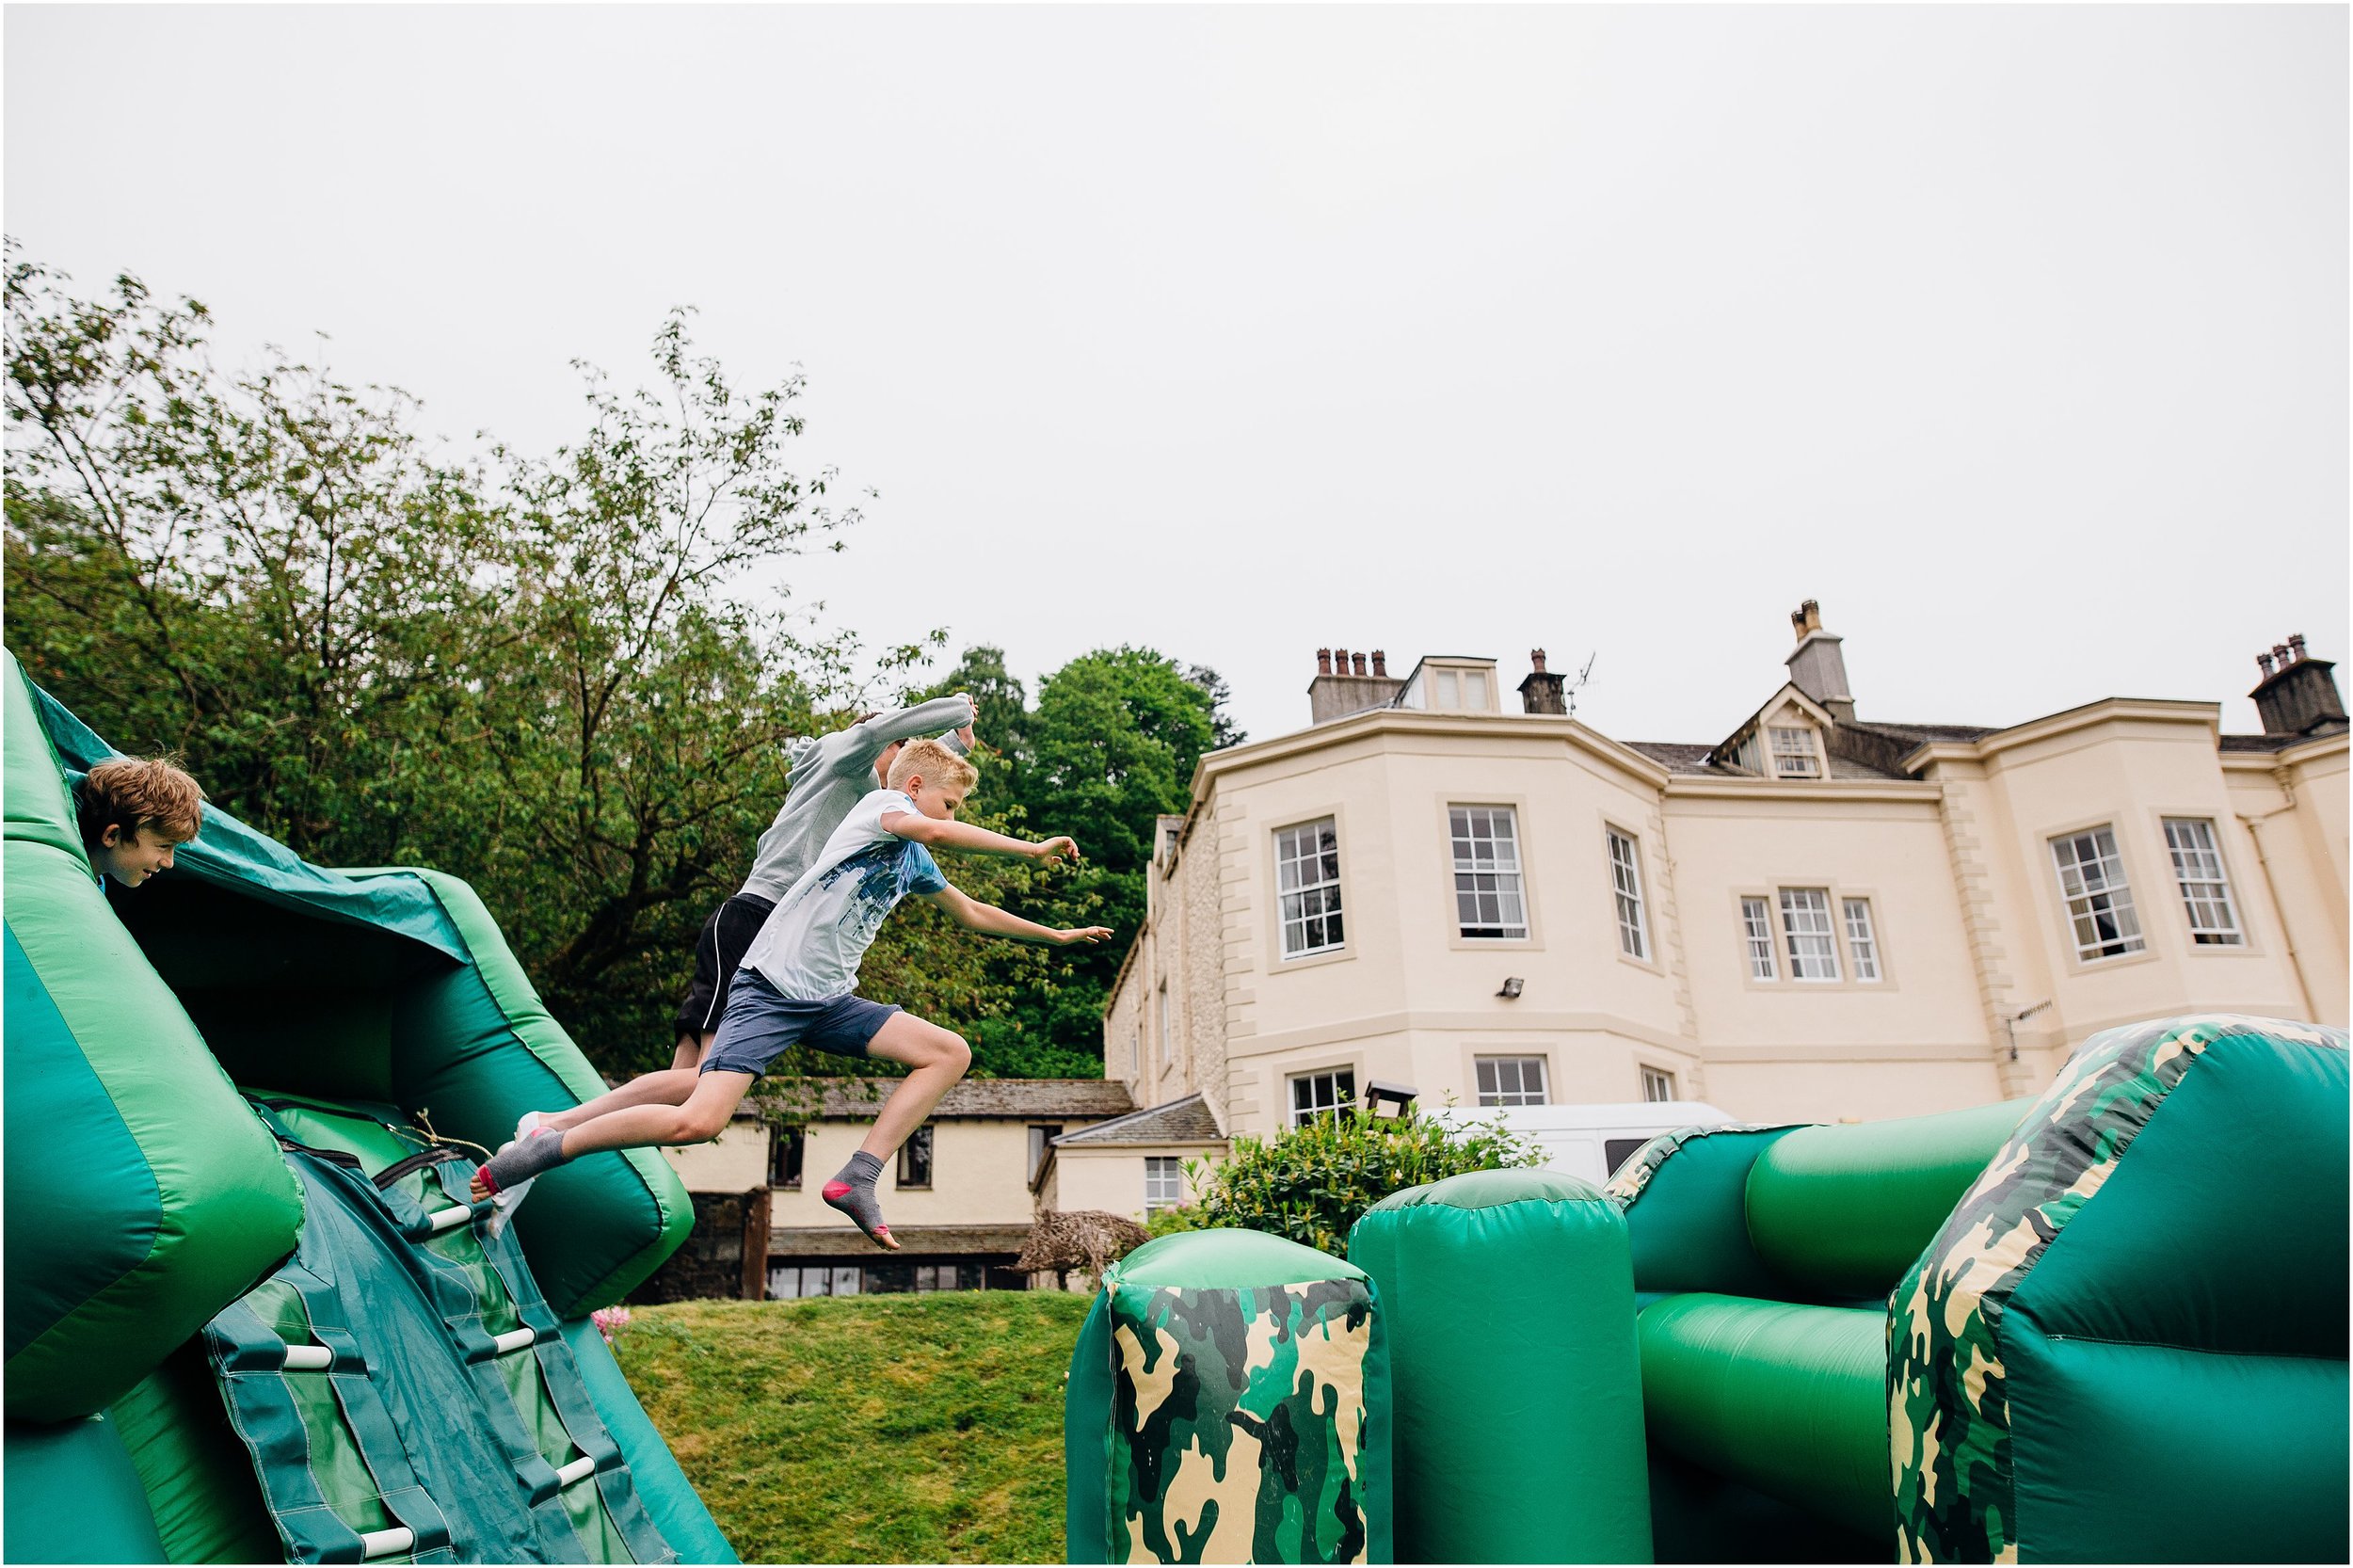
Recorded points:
(959, 1196)
(1818, 916)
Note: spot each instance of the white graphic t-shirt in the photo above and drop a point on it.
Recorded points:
(814, 938)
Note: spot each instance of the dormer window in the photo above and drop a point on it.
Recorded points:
(1447, 687)
(1795, 754)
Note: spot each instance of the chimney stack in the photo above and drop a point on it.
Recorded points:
(2298, 694)
(1542, 692)
(1817, 667)
(1342, 685)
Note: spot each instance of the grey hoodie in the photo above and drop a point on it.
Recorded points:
(831, 773)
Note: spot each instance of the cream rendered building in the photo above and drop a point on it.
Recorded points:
(1819, 915)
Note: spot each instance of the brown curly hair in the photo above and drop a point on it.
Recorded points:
(132, 793)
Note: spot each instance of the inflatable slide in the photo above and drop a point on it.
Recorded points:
(250, 1313)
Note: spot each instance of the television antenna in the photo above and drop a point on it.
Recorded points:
(1578, 684)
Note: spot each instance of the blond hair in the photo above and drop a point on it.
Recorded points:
(132, 793)
(935, 762)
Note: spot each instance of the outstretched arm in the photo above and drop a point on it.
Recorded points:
(951, 834)
(905, 724)
(971, 914)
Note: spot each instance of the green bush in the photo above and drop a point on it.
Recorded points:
(1311, 1183)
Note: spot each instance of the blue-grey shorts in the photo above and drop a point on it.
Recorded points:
(761, 1021)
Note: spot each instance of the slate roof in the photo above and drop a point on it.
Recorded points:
(1185, 1121)
(857, 1098)
(2268, 743)
(1922, 734)
(1691, 761)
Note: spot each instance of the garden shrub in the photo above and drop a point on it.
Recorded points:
(1310, 1183)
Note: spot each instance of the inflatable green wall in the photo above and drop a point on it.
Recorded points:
(1508, 1301)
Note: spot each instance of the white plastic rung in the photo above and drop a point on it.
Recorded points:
(309, 1358)
(447, 1218)
(391, 1542)
(579, 1470)
(516, 1339)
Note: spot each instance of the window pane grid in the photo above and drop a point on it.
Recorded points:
(1793, 753)
(2205, 891)
(1489, 898)
(1806, 924)
(1861, 940)
(1625, 880)
(2099, 900)
(1756, 923)
(1657, 1086)
(1307, 876)
(1318, 1094)
(1512, 1080)
(1163, 1181)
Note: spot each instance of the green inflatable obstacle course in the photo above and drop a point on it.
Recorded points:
(1229, 1402)
(2107, 1325)
(1543, 1463)
(252, 1312)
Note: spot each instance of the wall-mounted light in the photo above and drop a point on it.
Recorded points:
(1512, 985)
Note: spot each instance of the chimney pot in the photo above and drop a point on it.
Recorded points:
(2279, 652)
(1323, 661)
(2296, 641)
(2265, 661)
(1380, 664)
(1339, 661)
(1360, 663)
(1536, 659)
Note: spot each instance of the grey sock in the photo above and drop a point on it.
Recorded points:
(851, 1191)
(523, 1160)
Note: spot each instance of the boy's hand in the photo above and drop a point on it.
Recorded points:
(966, 734)
(1075, 935)
(1061, 847)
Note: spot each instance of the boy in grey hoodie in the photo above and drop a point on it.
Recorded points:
(829, 774)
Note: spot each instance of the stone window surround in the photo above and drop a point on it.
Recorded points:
(1644, 884)
(1769, 891)
(1444, 818)
(2064, 948)
(1271, 867)
(2222, 819)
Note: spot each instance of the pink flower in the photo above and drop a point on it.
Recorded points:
(609, 1320)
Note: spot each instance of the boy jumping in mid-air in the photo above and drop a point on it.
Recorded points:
(132, 813)
(797, 986)
(829, 775)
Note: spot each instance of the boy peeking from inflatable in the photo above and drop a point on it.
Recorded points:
(132, 813)
(797, 986)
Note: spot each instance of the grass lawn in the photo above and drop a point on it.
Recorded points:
(867, 1429)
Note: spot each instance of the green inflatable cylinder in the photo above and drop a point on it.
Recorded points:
(1508, 1300)
(1843, 1211)
(1229, 1402)
(1791, 1401)
(72, 1496)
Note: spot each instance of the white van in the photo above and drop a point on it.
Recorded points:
(1589, 1141)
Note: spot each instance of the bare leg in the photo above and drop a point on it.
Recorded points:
(938, 1057)
(703, 1117)
(670, 1085)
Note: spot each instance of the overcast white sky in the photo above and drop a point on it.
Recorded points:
(2017, 336)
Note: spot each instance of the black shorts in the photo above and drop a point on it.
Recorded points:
(726, 937)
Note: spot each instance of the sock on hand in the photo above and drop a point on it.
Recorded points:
(851, 1191)
(523, 1160)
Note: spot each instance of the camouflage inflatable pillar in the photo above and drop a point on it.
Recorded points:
(1509, 1297)
(2127, 1344)
(1229, 1402)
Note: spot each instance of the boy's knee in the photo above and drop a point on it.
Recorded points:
(696, 1124)
(955, 1054)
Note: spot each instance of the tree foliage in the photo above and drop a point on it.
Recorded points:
(1313, 1182)
(546, 673)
